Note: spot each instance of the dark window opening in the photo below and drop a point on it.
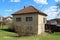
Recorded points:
(18, 19)
(28, 18)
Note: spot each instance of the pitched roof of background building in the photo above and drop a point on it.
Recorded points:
(27, 10)
(54, 19)
(7, 17)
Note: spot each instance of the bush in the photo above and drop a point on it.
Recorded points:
(11, 27)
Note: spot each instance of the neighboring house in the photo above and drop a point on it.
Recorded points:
(54, 22)
(8, 19)
(1, 20)
(53, 25)
(29, 21)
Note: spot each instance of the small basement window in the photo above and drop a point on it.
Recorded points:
(18, 19)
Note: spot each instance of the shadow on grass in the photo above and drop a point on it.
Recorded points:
(8, 30)
(15, 36)
(12, 34)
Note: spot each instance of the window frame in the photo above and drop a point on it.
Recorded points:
(18, 19)
(29, 19)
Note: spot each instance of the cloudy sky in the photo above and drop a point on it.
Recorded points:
(7, 7)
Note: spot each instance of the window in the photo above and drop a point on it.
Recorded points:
(18, 19)
(28, 18)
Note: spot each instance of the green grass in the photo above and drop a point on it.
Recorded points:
(5, 35)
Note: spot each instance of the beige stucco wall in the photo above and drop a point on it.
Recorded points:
(23, 24)
(37, 24)
(1, 18)
(41, 24)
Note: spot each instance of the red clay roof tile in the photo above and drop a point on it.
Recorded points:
(27, 10)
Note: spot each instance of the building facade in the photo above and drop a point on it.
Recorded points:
(1, 20)
(29, 21)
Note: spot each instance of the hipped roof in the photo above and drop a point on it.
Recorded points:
(27, 10)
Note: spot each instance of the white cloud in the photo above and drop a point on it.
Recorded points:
(8, 10)
(41, 1)
(57, 0)
(51, 12)
(14, 0)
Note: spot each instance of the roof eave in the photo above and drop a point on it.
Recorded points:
(31, 13)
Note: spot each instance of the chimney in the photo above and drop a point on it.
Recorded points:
(24, 6)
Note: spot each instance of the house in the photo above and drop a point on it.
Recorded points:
(29, 21)
(1, 20)
(54, 22)
(8, 20)
(53, 25)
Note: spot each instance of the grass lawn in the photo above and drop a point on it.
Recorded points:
(5, 35)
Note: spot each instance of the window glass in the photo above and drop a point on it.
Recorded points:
(18, 19)
(28, 18)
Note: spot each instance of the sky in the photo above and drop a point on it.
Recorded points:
(8, 7)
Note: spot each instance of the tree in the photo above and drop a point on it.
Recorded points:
(58, 8)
